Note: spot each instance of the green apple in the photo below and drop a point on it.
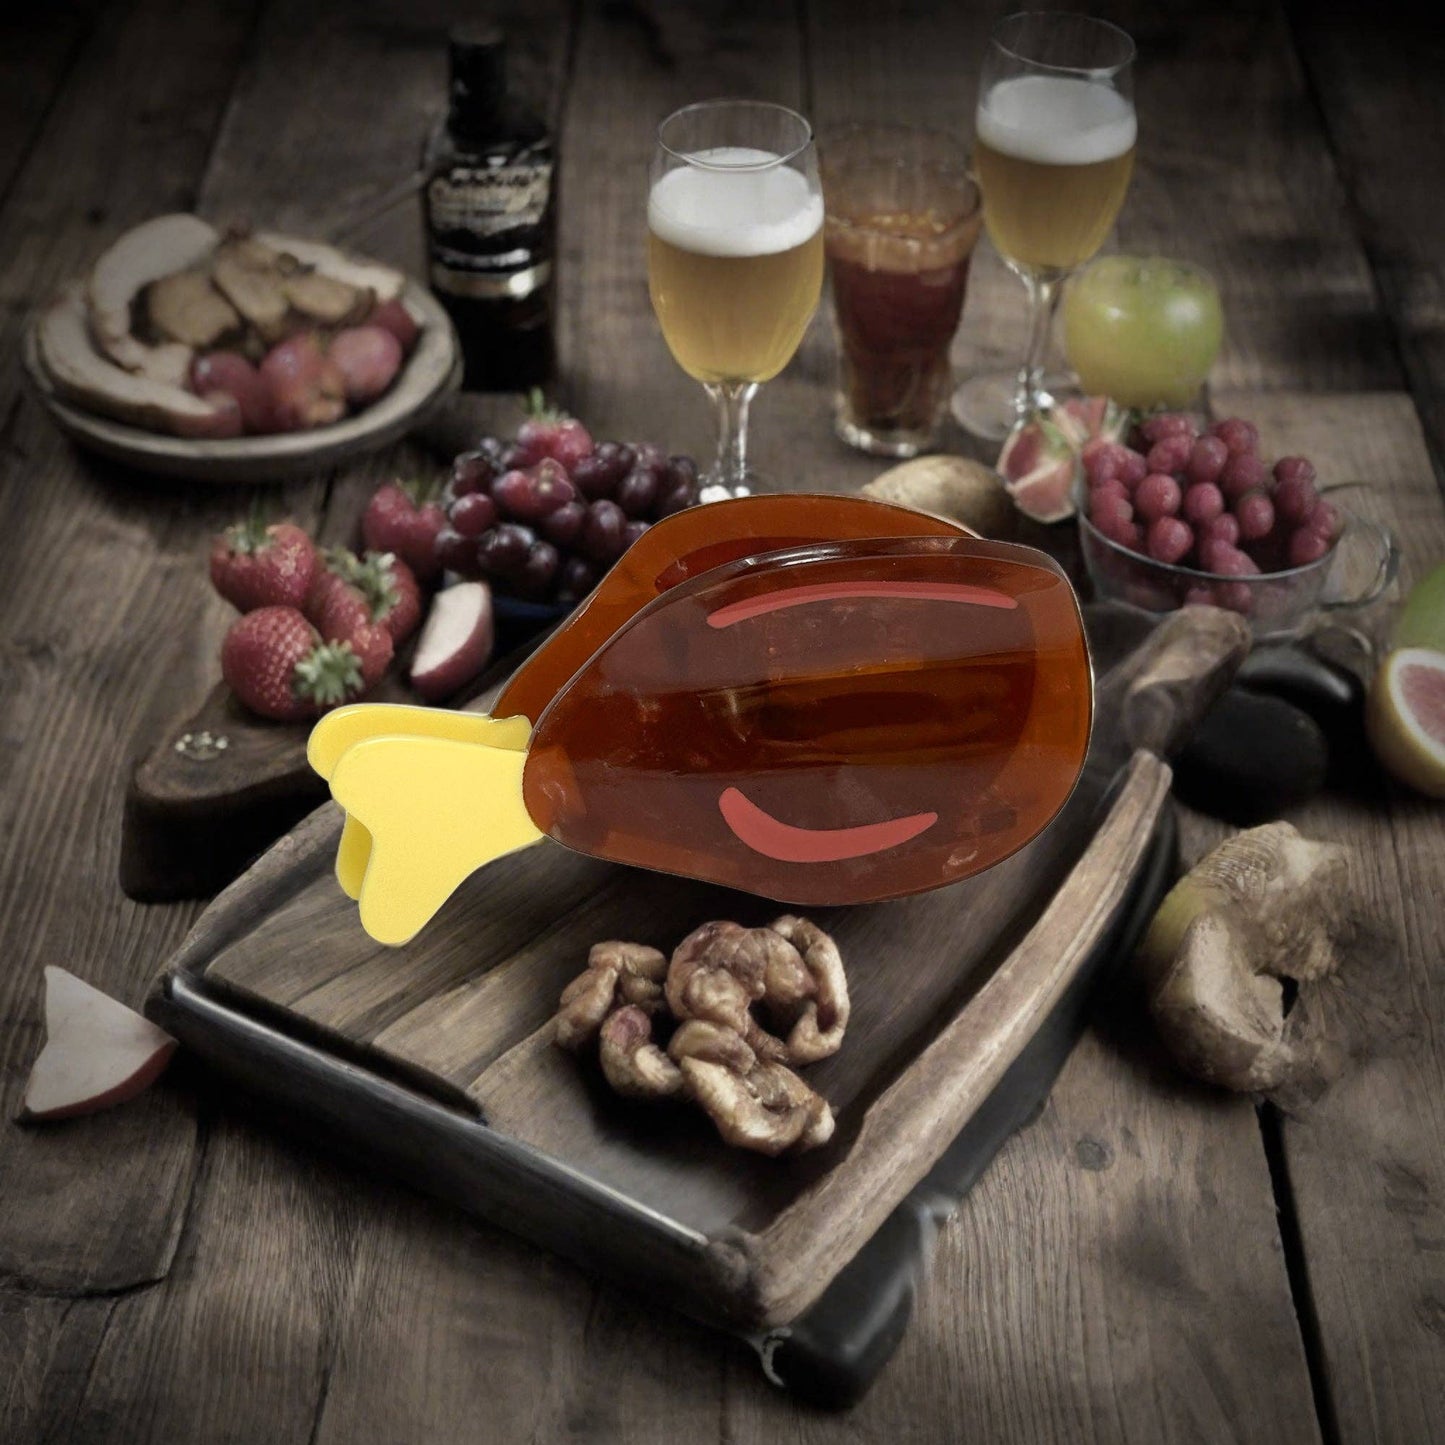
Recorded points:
(1144, 331)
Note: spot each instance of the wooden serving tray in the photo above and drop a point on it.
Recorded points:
(436, 1061)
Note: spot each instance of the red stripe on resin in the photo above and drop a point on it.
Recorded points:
(764, 834)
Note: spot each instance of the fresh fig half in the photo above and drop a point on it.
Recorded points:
(1039, 467)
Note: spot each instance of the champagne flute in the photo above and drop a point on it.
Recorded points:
(735, 253)
(1055, 130)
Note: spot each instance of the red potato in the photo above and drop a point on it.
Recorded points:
(307, 387)
(395, 318)
(456, 641)
(97, 1052)
(230, 372)
(369, 358)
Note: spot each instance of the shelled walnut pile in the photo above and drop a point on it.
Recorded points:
(693, 1027)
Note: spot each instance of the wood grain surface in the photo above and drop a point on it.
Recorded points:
(1133, 1267)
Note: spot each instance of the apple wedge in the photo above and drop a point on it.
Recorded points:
(97, 1052)
(455, 641)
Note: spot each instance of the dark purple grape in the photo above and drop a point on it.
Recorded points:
(632, 531)
(637, 492)
(515, 457)
(651, 458)
(682, 469)
(502, 552)
(676, 499)
(602, 531)
(598, 475)
(576, 579)
(531, 495)
(472, 514)
(455, 553)
(564, 526)
(471, 472)
(538, 571)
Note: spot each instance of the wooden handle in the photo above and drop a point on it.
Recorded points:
(909, 1126)
(1162, 689)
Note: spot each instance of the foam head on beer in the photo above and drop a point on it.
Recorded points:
(1054, 158)
(735, 262)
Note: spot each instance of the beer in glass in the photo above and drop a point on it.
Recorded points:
(1055, 133)
(735, 252)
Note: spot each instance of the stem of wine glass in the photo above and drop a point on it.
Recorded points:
(730, 400)
(1044, 293)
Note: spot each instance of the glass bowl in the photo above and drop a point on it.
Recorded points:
(1356, 570)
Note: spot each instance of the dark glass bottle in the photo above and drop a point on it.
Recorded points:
(491, 220)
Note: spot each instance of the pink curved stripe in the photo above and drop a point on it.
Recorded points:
(764, 834)
(766, 602)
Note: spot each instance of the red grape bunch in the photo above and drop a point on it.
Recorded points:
(1209, 502)
(544, 517)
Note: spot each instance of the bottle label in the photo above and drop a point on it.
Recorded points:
(489, 285)
(487, 200)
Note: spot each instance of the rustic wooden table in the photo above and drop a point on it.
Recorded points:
(1148, 1261)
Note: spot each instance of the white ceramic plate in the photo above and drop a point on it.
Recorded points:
(432, 372)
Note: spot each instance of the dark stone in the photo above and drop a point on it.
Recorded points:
(1251, 758)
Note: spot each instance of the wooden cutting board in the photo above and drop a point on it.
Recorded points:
(436, 1060)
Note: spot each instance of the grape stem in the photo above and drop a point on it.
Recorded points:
(731, 400)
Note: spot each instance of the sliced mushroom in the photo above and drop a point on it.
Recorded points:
(642, 971)
(383, 282)
(187, 308)
(714, 1043)
(819, 1030)
(325, 300)
(248, 276)
(80, 374)
(631, 1062)
(585, 1004)
(718, 972)
(144, 254)
(768, 1110)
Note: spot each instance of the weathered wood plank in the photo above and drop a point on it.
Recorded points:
(1366, 1165)
(1115, 1276)
(236, 1343)
(1232, 173)
(1374, 76)
(41, 44)
(47, 1345)
(95, 611)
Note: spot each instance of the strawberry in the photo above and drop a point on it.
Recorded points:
(548, 432)
(403, 519)
(253, 565)
(342, 613)
(389, 586)
(277, 665)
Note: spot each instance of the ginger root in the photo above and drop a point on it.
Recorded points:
(1265, 906)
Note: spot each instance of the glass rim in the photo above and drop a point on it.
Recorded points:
(1131, 51)
(1194, 574)
(851, 129)
(691, 158)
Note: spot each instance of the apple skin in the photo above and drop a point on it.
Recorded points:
(98, 1053)
(455, 642)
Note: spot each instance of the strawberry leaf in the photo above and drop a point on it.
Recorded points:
(328, 675)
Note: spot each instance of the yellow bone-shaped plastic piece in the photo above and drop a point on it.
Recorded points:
(347, 726)
(435, 810)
